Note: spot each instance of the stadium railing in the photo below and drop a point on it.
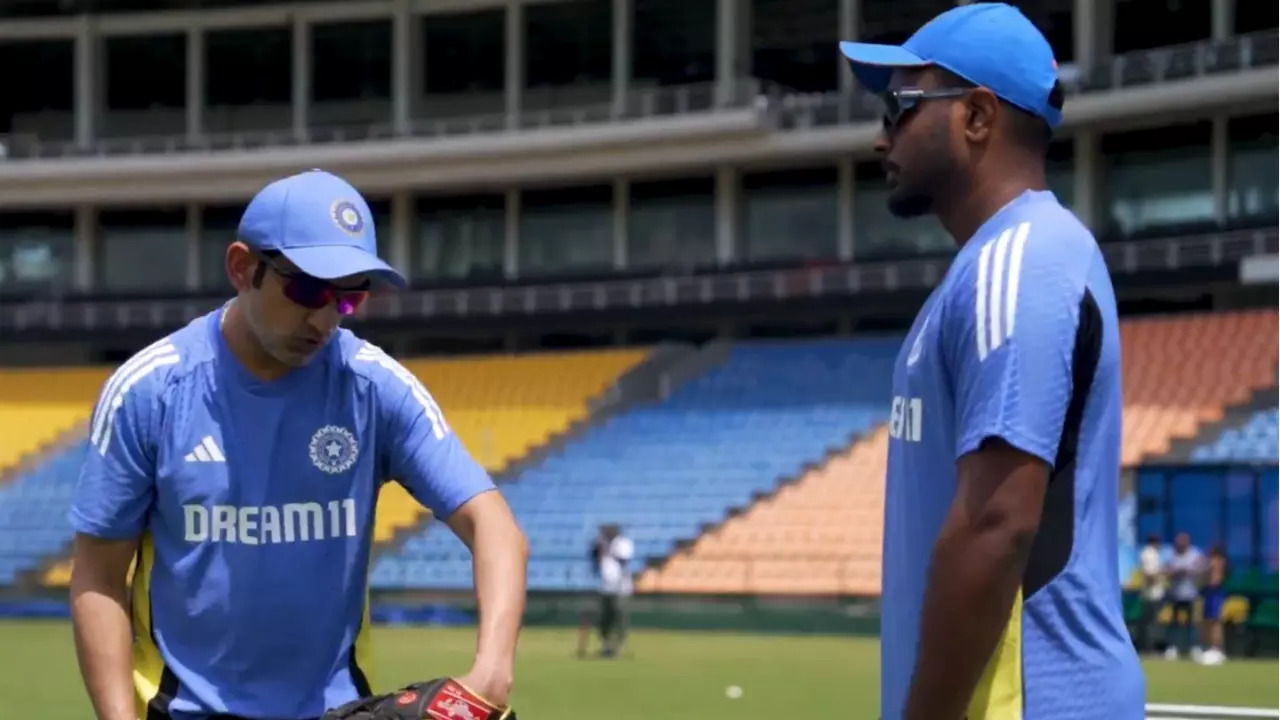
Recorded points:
(1161, 711)
(1220, 249)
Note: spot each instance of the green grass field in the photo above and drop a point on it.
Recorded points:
(666, 675)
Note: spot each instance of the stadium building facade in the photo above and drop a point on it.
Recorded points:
(672, 176)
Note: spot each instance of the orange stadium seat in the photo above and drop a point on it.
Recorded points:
(818, 536)
(1183, 371)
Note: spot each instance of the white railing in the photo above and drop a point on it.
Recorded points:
(1224, 249)
(1159, 711)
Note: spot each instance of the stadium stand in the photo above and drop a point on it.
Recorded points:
(500, 406)
(1183, 371)
(1254, 441)
(40, 406)
(820, 535)
(665, 470)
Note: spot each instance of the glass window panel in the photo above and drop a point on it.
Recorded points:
(1158, 179)
(674, 42)
(790, 215)
(39, 103)
(142, 251)
(460, 238)
(566, 231)
(37, 253)
(672, 224)
(1252, 188)
(218, 229)
(878, 234)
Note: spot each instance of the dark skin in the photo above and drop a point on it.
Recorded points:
(956, 158)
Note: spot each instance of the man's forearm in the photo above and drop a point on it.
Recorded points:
(973, 579)
(103, 638)
(500, 561)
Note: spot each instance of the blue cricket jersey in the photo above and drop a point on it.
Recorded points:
(1019, 341)
(254, 502)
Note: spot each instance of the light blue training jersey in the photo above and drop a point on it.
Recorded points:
(254, 502)
(1020, 341)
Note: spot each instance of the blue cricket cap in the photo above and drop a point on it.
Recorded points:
(989, 44)
(320, 223)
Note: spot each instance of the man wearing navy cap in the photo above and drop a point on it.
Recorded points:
(239, 461)
(1001, 591)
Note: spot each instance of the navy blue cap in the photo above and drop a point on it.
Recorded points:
(320, 223)
(989, 44)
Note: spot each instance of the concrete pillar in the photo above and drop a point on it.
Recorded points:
(846, 193)
(515, 61)
(86, 229)
(733, 46)
(400, 254)
(1224, 19)
(511, 247)
(406, 66)
(301, 77)
(623, 22)
(1220, 166)
(621, 216)
(195, 242)
(195, 82)
(848, 21)
(1088, 178)
(89, 67)
(728, 196)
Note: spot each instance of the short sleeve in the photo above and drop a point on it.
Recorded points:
(1010, 339)
(116, 487)
(422, 452)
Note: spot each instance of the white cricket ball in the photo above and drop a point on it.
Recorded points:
(733, 692)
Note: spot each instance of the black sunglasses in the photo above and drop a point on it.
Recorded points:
(312, 292)
(899, 103)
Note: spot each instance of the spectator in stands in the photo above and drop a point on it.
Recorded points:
(1184, 570)
(612, 552)
(1154, 585)
(1213, 594)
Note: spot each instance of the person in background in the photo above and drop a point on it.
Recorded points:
(1154, 586)
(612, 553)
(1184, 569)
(1213, 594)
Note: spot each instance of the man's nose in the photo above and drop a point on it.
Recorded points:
(325, 319)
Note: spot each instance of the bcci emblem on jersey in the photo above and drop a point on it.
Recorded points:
(333, 449)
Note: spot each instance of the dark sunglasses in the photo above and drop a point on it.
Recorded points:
(313, 293)
(899, 103)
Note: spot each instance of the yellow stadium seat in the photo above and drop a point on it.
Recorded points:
(38, 406)
(504, 406)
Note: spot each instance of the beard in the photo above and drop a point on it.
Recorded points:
(905, 204)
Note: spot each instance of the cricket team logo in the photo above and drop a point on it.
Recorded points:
(333, 449)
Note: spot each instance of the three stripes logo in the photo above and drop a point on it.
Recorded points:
(996, 290)
(206, 451)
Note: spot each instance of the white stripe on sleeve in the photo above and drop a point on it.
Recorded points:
(996, 289)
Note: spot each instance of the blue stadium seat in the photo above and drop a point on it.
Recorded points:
(33, 511)
(668, 469)
(1255, 441)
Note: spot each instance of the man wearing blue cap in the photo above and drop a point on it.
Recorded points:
(239, 461)
(1001, 591)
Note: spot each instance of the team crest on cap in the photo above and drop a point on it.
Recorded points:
(346, 216)
(333, 449)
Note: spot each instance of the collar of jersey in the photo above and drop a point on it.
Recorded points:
(996, 222)
(230, 368)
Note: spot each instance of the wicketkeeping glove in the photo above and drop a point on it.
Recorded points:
(439, 699)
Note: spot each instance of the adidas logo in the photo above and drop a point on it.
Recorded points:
(206, 451)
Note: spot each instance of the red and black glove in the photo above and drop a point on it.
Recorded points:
(439, 699)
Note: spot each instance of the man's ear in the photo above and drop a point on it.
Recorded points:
(981, 108)
(241, 266)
